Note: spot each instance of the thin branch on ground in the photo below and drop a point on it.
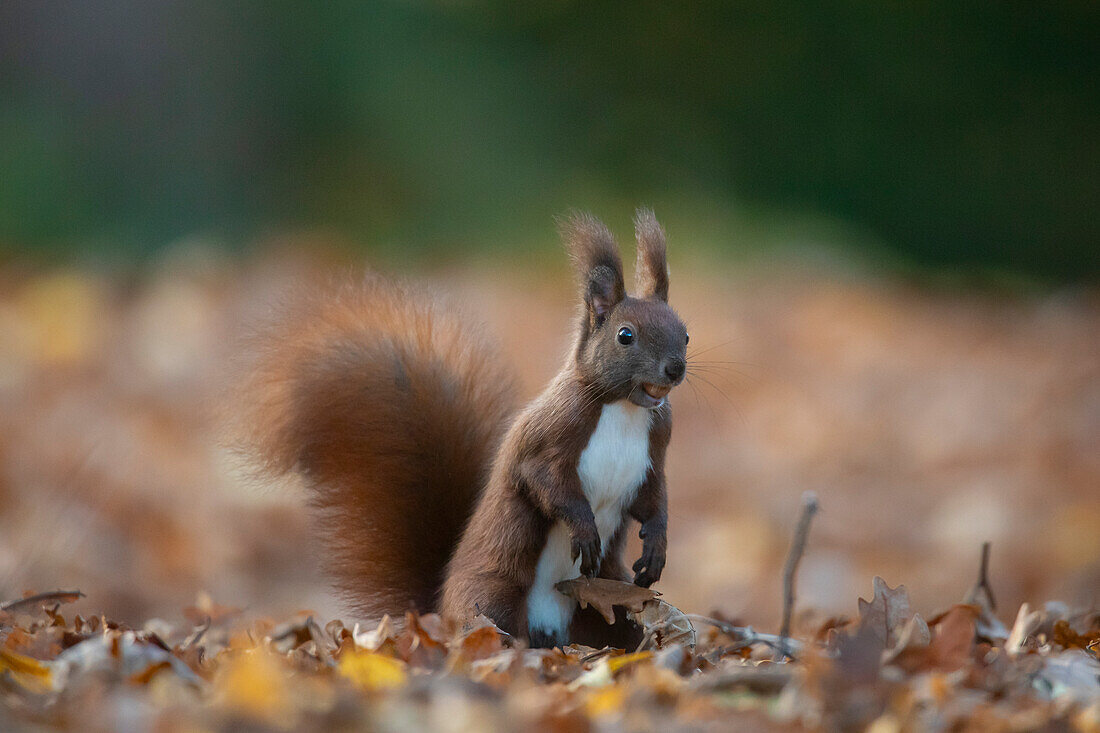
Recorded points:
(55, 596)
(745, 635)
(798, 547)
(982, 585)
(761, 680)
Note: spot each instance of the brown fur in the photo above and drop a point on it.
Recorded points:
(394, 413)
(391, 408)
(534, 482)
(651, 267)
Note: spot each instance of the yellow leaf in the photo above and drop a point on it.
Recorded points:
(603, 673)
(372, 671)
(28, 672)
(614, 664)
(605, 701)
(254, 682)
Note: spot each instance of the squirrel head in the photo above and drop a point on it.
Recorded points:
(628, 347)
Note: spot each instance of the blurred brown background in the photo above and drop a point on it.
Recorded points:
(926, 420)
(882, 230)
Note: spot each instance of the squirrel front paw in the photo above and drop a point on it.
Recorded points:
(648, 568)
(585, 543)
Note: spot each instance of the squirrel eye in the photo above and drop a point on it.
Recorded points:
(687, 339)
(626, 336)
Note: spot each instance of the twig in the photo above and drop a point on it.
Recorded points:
(652, 632)
(592, 656)
(983, 581)
(196, 635)
(761, 680)
(798, 547)
(59, 596)
(745, 635)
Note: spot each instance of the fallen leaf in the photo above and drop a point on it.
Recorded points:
(954, 638)
(382, 635)
(603, 595)
(480, 643)
(1064, 635)
(254, 683)
(623, 660)
(1073, 673)
(418, 645)
(886, 613)
(1027, 622)
(914, 635)
(858, 656)
(28, 672)
(605, 701)
(371, 671)
(123, 652)
(603, 672)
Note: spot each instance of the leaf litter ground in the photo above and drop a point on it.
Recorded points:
(886, 669)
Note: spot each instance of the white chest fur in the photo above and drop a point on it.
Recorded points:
(614, 463)
(611, 468)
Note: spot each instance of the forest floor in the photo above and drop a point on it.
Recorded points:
(927, 422)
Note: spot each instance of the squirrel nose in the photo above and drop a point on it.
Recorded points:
(674, 369)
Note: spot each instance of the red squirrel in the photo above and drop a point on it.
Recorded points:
(433, 493)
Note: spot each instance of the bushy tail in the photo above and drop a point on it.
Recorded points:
(391, 408)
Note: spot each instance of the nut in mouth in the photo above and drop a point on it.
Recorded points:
(656, 391)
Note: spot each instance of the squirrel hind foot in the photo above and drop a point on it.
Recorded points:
(546, 639)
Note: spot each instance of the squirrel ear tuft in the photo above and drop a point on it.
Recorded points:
(596, 259)
(651, 267)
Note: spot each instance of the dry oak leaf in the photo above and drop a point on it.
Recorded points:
(1065, 636)
(603, 594)
(887, 612)
(952, 643)
(914, 635)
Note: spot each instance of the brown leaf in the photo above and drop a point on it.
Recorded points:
(858, 656)
(293, 634)
(886, 613)
(952, 642)
(830, 624)
(417, 645)
(914, 635)
(1067, 638)
(950, 648)
(603, 594)
(483, 642)
(42, 644)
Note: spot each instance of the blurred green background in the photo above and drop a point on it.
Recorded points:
(943, 135)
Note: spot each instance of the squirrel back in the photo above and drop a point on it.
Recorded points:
(391, 407)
